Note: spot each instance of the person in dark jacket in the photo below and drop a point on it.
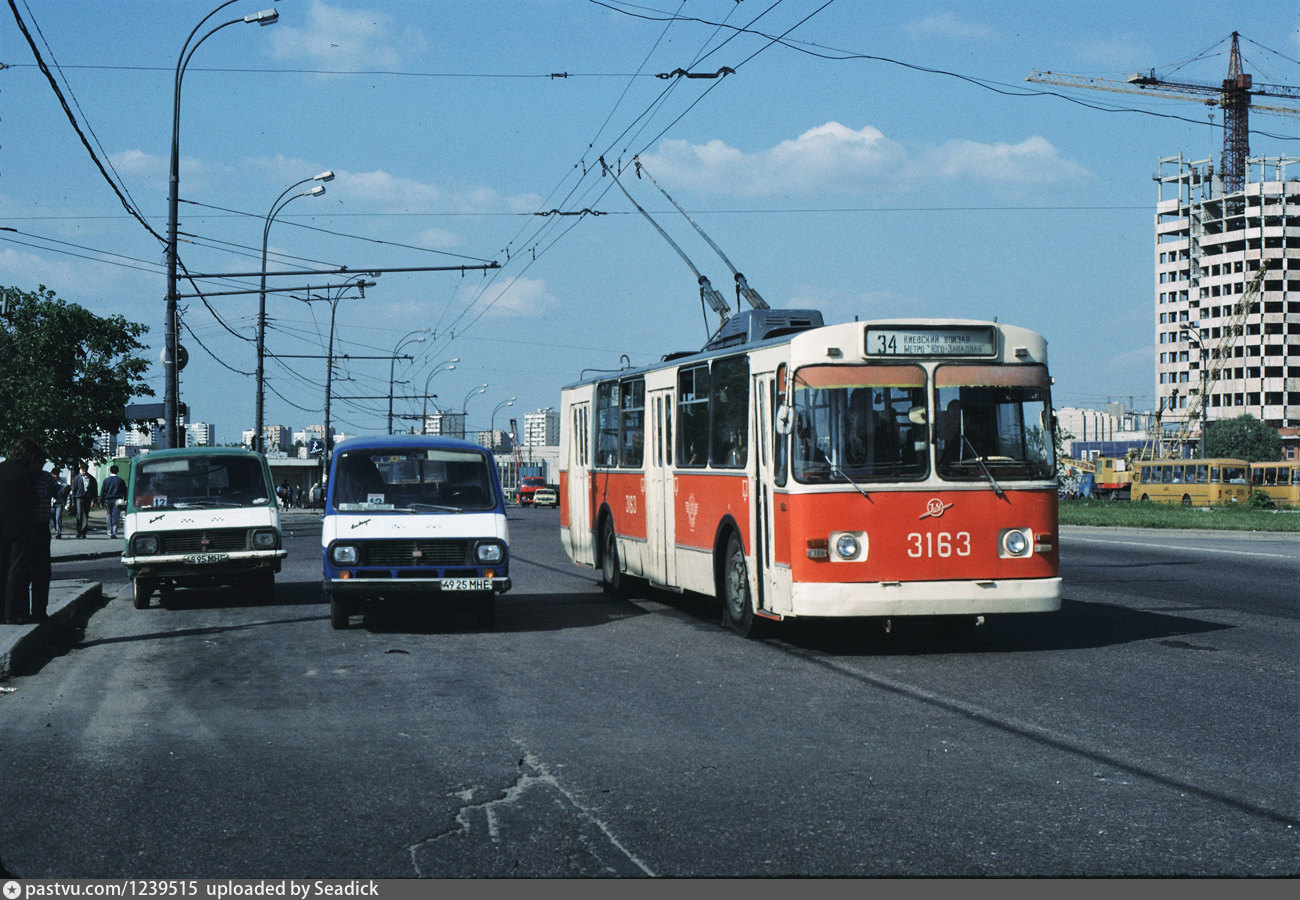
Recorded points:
(17, 512)
(112, 490)
(61, 492)
(85, 491)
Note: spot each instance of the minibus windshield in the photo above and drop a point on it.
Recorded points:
(404, 480)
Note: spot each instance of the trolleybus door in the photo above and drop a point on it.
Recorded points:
(581, 539)
(761, 490)
(659, 489)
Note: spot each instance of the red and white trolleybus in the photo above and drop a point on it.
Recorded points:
(791, 468)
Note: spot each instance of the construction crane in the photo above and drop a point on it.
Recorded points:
(516, 457)
(1219, 356)
(1235, 95)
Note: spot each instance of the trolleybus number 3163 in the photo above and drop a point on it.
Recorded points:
(938, 543)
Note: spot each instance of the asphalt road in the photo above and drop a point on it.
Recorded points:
(1148, 729)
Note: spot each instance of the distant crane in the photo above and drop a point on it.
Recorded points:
(1218, 358)
(1234, 95)
(516, 457)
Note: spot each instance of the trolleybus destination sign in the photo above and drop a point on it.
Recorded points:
(921, 340)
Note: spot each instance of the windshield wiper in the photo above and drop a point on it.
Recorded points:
(845, 475)
(422, 507)
(997, 488)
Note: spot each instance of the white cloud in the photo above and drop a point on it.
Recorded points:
(151, 170)
(381, 191)
(833, 159)
(439, 239)
(520, 297)
(339, 39)
(1033, 161)
(947, 25)
(830, 157)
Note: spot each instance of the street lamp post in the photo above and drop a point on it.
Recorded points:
(393, 362)
(1195, 338)
(492, 428)
(481, 389)
(450, 364)
(329, 367)
(171, 387)
(279, 204)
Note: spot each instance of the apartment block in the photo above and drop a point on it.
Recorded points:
(1214, 351)
(542, 428)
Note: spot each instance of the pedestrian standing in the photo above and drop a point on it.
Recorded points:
(113, 490)
(38, 538)
(62, 491)
(18, 509)
(85, 491)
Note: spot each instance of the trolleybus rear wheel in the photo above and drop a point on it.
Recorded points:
(737, 606)
(609, 566)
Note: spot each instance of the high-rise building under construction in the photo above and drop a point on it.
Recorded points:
(1227, 341)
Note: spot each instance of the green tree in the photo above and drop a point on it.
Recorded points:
(1244, 437)
(67, 374)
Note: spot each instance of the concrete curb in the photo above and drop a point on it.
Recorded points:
(68, 600)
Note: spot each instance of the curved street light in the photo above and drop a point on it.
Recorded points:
(392, 362)
(1194, 336)
(279, 204)
(171, 388)
(450, 364)
(482, 388)
(329, 371)
(492, 428)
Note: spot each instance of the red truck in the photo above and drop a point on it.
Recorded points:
(528, 485)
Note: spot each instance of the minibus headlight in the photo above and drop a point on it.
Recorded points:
(265, 539)
(144, 545)
(489, 553)
(344, 555)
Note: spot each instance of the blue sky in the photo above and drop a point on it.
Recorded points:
(885, 159)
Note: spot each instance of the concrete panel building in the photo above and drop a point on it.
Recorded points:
(1217, 357)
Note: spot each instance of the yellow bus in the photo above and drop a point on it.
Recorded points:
(1280, 480)
(1192, 482)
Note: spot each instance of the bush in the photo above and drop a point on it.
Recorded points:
(1260, 500)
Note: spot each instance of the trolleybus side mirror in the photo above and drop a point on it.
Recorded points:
(784, 419)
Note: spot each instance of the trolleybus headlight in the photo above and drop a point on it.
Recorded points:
(344, 555)
(1015, 542)
(847, 546)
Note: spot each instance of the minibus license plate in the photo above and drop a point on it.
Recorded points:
(201, 559)
(467, 584)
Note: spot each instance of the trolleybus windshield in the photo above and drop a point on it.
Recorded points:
(865, 423)
(993, 419)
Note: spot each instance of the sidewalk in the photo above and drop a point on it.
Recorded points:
(70, 598)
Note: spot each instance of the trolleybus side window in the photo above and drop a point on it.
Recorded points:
(993, 417)
(693, 416)
(780, 441)
(730, 408)
(859, 422)
(607, 424)
(631, 423)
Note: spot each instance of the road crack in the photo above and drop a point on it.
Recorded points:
(532, 827)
